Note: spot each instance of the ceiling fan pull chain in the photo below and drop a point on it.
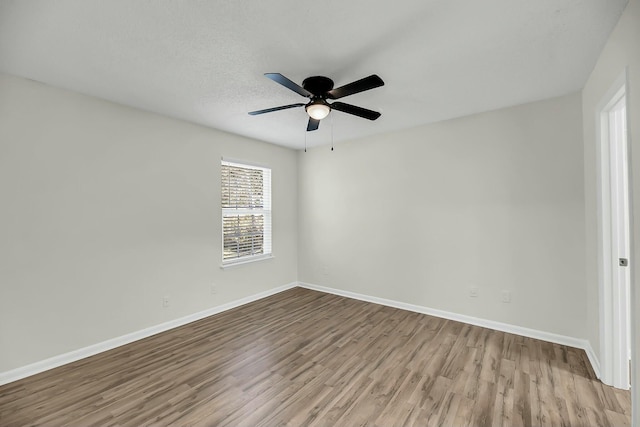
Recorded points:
(332, 132)
(305, 141)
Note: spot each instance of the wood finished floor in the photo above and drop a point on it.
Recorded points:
(307, 358)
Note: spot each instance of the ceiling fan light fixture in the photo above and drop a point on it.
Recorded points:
(317, 110)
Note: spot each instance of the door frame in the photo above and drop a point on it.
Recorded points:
(614, 368)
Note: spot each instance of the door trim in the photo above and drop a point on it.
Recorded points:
(613, 360)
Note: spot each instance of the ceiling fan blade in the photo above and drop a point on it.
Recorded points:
(361, 85)
(313, 124)
(279, 78)
(356, 111)
(269, 110)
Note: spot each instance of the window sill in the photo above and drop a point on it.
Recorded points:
(231, 264)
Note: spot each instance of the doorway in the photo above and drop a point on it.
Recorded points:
(614, 244)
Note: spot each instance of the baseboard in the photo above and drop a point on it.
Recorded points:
(72, 356)
(593, 358)
(63, 359)
(490, 324)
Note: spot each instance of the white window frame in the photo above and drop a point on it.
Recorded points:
(265, 211)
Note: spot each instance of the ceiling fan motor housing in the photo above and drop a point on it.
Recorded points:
(318, 85)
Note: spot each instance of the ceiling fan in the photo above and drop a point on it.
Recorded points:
(318, 89)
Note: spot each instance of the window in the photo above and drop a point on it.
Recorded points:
(246, 212)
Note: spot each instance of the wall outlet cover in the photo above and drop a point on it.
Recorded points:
(506, 296)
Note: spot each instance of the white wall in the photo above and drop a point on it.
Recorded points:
(105, 209)
(622, 50)
(493, 200)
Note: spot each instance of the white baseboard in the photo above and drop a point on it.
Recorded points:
(593, 358)
(491, 324)
(63, 359)
(72, 356)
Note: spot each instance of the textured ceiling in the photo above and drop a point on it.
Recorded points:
(203, 61)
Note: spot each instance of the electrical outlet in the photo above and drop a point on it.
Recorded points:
(214, 289)
(473, 292)
(165, 302)
(506, 296)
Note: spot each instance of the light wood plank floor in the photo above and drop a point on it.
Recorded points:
(306, 358)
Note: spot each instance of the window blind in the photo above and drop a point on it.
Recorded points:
(246, 211)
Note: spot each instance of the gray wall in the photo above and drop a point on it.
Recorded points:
(106, 209)
(493, 201)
